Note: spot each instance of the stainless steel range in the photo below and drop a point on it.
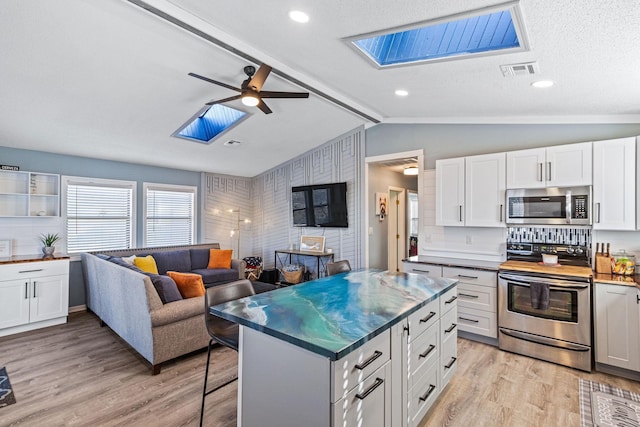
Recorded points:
(545, 310)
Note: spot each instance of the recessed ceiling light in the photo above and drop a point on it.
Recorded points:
(401, 92)
(542, 83)
(299, 16)
(411, 170)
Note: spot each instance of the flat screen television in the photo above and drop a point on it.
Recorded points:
(321, 205)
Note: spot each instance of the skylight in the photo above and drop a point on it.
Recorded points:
(448, 38)
(209, 123)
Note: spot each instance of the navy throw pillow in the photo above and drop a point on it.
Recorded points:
(179, 260)
(166, 288)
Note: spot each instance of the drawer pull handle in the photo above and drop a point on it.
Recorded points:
(30, 271)
(369, 361)
(450, 328)
(428, 317)
(467, 277)
(468, 320)
(452, 299)
(450, 364)
(468, 295)
(427, 351)
(370, 390)
(420, 271)
(428, 393)
(34, 288)
(26, 290)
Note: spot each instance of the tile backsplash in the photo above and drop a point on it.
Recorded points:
(566, 236)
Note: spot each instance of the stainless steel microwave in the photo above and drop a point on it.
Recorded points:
(553, 205)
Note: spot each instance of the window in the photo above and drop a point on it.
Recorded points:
(210, 122)
(99, 214)
(169, 214)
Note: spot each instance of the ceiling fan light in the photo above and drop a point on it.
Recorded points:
(410, 170)
(250, 101)
(298, 16)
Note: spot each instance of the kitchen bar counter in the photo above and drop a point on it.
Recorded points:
(31, 258)
(454, 262)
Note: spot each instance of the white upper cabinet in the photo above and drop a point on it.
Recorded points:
(485, 186)
(470, 191)
(559, 166)
(450, 192)
(614, 184)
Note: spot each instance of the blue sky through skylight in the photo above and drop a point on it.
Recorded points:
(216, 120)
(483, 33)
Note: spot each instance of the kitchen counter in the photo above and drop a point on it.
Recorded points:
(534, 267)
(454, 262)
(615, 279)
(31, 258)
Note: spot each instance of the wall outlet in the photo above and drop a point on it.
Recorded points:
(469, 240)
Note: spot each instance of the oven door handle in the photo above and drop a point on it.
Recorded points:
(558, 284)
(544, 340)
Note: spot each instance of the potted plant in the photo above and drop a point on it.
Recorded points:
(48, 240)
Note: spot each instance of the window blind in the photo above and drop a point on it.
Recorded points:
(99, 217)
(169, 216)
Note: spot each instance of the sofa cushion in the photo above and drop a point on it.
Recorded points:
(179, 260)
(199, 258)
(190, 285)
(119, 261)
(147, 263)
(166, 287)
(220, 258)
(129, 259)
(217, 275)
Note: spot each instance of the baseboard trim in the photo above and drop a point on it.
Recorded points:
(78, 308)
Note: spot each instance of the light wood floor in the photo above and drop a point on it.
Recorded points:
(80, 374)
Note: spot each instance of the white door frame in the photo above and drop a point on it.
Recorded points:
(368, 198)
(396, 244)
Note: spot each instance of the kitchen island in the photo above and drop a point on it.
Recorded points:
(359, 348)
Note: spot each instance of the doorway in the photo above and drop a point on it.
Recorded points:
(397, 231)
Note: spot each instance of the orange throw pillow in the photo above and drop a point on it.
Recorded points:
(190, 285)
(220, 258)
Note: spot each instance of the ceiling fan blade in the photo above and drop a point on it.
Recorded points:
(269, 94)
(220, 101)
(259, 77)
(206, 79)
(262, 106)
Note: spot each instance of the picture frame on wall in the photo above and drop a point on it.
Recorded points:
(381, 204)
(312, 243)
(5, 248)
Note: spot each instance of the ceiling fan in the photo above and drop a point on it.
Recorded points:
(251, 92)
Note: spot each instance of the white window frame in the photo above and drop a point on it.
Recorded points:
(172, 188)
(100, 182)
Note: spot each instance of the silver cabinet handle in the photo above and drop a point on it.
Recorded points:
(460, 212)
(501, 209)
(540, 172)
(428, 393)
(368, 391)
(369, 361)
(428, 317)
(598, 212)
(548, 171)
(26, 290)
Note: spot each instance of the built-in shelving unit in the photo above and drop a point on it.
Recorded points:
(28, 194)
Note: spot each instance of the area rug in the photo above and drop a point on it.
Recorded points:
(603, 405)
(6, 393)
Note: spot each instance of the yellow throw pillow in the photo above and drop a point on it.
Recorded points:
(190, 285)
(146, 263)
(220, 258)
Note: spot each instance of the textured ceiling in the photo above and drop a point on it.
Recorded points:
(109, 79)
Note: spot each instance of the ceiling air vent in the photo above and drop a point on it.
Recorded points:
(524, 69)
(231, 142)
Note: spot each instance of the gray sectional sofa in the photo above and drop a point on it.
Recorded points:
(128, 302)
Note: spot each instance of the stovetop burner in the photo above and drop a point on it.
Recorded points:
(567, 254)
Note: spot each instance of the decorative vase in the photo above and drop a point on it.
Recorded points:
(48, 250)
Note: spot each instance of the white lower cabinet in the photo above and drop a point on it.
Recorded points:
(35, 295)
(430, 270)
(477, 300)
(617, 316)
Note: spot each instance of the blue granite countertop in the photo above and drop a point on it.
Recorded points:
(334, 315)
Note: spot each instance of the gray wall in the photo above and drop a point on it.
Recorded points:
(455, 140)
(36, 161)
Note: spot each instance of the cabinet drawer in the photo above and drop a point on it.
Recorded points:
(423, 394)
(477, 297)
(448, 300)
(448, 361)
(34, 269)
(449, 326)
(430, 270)
(368, 404)
(478, 321)
(356, 366)
(467, 275)
(422, 319)
(424, 351)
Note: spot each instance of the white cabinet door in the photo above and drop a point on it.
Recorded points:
(485, 184)
(14, 297)
(617, 318)
(49, 298)
(525, 168)
(368, 404)
(450, 192)
(614, 184)
(569, 165)
(430, 270)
